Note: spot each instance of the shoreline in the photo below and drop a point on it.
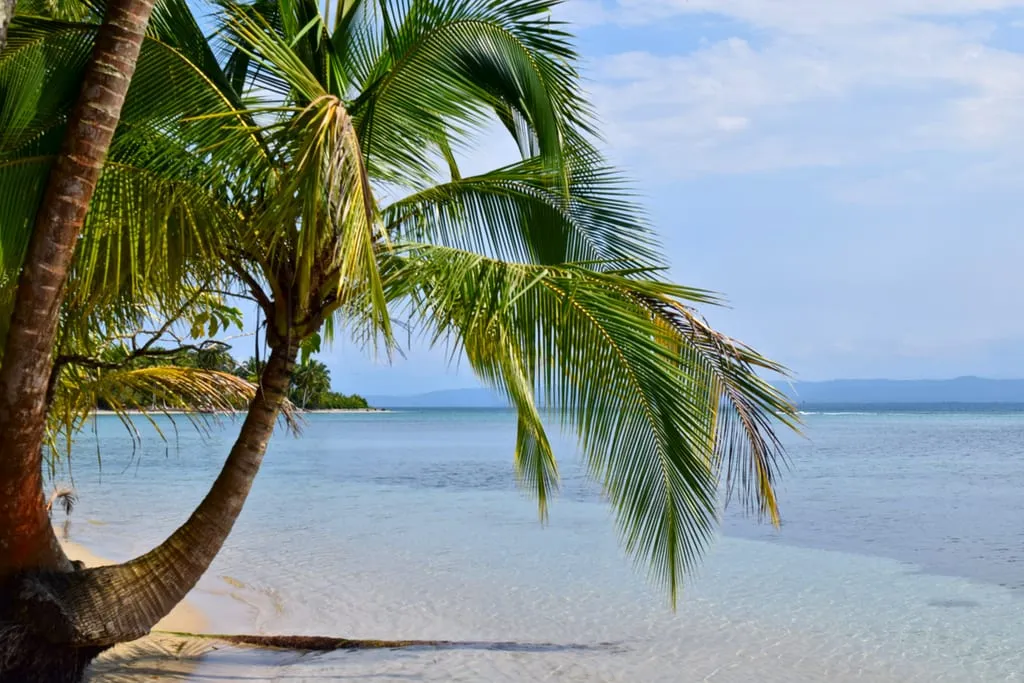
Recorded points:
(175, 411)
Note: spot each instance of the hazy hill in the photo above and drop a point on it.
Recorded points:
(960, 390)
(848, 391)
(452, 398)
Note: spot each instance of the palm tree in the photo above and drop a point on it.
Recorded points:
(215, 357)
(6, 12)
(26, 537)
(319, 153)
(56, 169)
(251, 369)
(310, 381)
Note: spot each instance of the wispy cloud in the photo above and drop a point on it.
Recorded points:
(795, 16)
(824, 84)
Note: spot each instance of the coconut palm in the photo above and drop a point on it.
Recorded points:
(317, 150)
(6, 12)
(251, 369)
(52, 149)
(310, 381)
(67, 186)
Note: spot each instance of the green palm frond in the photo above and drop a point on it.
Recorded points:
(479, 58)
(196, 395)
(499, 362)
(64, 10)
(335, 243)
(594, 347)
(40, 69)
(126, 256)
(158, 214)
(194, 392)
(517, 213)
(750, 408)
(323, 226)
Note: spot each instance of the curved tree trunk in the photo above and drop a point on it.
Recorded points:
(74, 616)
(26, 538)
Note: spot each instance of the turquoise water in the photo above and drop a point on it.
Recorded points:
(899, 557)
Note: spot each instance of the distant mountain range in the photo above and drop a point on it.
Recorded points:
(452, 398)
(844, 391)
(959, 390)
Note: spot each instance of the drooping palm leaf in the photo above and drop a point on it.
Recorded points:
(193, 394)
(591, 345)
(517, 213)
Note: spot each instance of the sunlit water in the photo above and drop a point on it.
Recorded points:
(899, 559)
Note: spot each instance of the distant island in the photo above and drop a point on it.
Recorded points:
(973, 390)
(962, 390)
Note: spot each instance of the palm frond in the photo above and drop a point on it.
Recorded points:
(66, 497)
(64, 10)
(589, 344)
(40, 69)
(126, 256)
(324, 222)
(479, 58)
(518, 213)
(750, 410)
(194, 394)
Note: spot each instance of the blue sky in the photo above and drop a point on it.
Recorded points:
(848, 173)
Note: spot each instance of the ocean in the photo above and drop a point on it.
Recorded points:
(899, 557)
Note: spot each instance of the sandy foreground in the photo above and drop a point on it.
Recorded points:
(708, 648)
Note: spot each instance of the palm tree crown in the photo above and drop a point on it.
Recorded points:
(314, 152)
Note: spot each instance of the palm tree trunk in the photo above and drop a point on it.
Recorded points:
(84, 612)
(6, 12)
(26, 537)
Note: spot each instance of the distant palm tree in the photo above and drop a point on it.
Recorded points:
(251, 369)
(65, 496)
(310, 381)
(215, 357)
(316, 150)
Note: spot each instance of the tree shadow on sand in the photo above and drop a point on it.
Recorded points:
(174, 656)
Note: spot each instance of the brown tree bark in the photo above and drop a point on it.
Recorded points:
(6, 12)
(72, 616)
(26, 537)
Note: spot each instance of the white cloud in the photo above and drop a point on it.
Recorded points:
(868, 83)
(732, 123)
(798, 16)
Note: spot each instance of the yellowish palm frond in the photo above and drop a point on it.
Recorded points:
(195, 394)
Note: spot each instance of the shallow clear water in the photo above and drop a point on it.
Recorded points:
(899, 558)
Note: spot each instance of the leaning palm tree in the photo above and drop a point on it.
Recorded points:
(319, 149)
(310, 381)
(63, 195)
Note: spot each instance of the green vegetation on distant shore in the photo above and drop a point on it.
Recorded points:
(310, 386)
